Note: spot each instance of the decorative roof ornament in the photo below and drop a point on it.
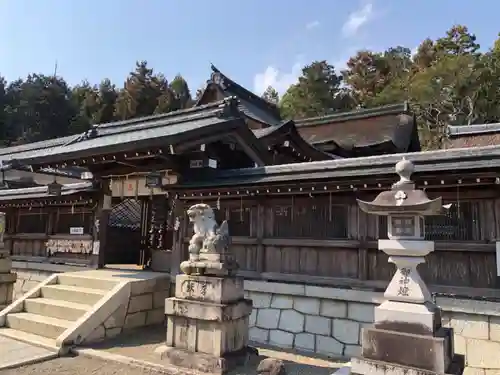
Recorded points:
(400, 197)
(218, 79)
(404, 169)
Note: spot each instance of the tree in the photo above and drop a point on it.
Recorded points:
(366, 75)
(139, 96)
(458, 41)
(180, 91)
(38, 108)
(271, 95)
(317, 92)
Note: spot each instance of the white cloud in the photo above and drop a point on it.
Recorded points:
(280, 80)
(357, 20)
(414, 51)
(312, 25)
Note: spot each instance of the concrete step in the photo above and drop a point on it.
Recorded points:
(73, 279)
(30, 338)
(56, 308)
(38, 324)
(70, 293)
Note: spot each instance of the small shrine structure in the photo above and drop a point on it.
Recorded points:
(407, 336)
(207, 320)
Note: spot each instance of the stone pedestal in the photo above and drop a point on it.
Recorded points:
(7, 280)
(207, 324)
(407, 337)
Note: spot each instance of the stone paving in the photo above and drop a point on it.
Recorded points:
(140, 345)
(14, 353)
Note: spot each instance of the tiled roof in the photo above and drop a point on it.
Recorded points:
(124, 135)
(428, 161)
(42, 191)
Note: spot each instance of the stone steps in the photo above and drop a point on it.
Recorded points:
(56, 308)
(81, 281)
(36, 324)
(44, 316)
(85, 306)
(71, 293)
(30, 338)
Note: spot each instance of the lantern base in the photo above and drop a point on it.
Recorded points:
(422, 319)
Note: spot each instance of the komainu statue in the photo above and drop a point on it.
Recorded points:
(209, 251)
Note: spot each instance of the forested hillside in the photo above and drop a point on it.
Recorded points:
(451, 80)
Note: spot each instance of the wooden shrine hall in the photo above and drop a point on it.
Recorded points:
(288, 189)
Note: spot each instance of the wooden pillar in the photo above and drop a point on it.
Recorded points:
(100, 230)
(178, 242)
(260, 224)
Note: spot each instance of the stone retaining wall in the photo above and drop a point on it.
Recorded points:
(328, 321)
(145, 307)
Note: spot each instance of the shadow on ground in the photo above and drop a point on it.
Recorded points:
(141, 343)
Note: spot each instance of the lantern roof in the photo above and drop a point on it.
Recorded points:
(403, 198)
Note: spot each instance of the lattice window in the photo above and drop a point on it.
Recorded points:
(32, 222)
(239, 221)
(126, 214)
(68, 218)
(460, 223)
(310, 218)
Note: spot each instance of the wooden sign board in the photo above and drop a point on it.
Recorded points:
(136, 186)
(76, 230)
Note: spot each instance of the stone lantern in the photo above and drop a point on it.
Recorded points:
(407, 332)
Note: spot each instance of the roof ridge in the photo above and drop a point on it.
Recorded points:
(250, 95)
(160, 116)
(223, 108)
(389, 109)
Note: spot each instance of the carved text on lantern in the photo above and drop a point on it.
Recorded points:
(404, 282)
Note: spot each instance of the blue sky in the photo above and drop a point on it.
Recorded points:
(256, 42)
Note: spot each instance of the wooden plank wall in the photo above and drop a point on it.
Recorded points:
(29, 229)
(327, 240)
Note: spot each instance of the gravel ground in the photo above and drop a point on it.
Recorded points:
(79, 365)
(140, 345)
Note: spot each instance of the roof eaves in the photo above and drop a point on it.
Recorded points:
(42, 191)
(478, 129)
(392, 109)
(450, 155)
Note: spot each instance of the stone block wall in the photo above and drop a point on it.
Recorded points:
(302, 318)
(144, 307)
(6, 289)
(328, 321)
(477, 335)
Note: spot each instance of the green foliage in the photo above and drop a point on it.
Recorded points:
(42, 107)
(318, 92)
(271, 95)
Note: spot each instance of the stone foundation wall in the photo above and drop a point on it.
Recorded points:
(328, 321)
(144, 307)
(308, 318)
(6, 289)
(477, 335)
